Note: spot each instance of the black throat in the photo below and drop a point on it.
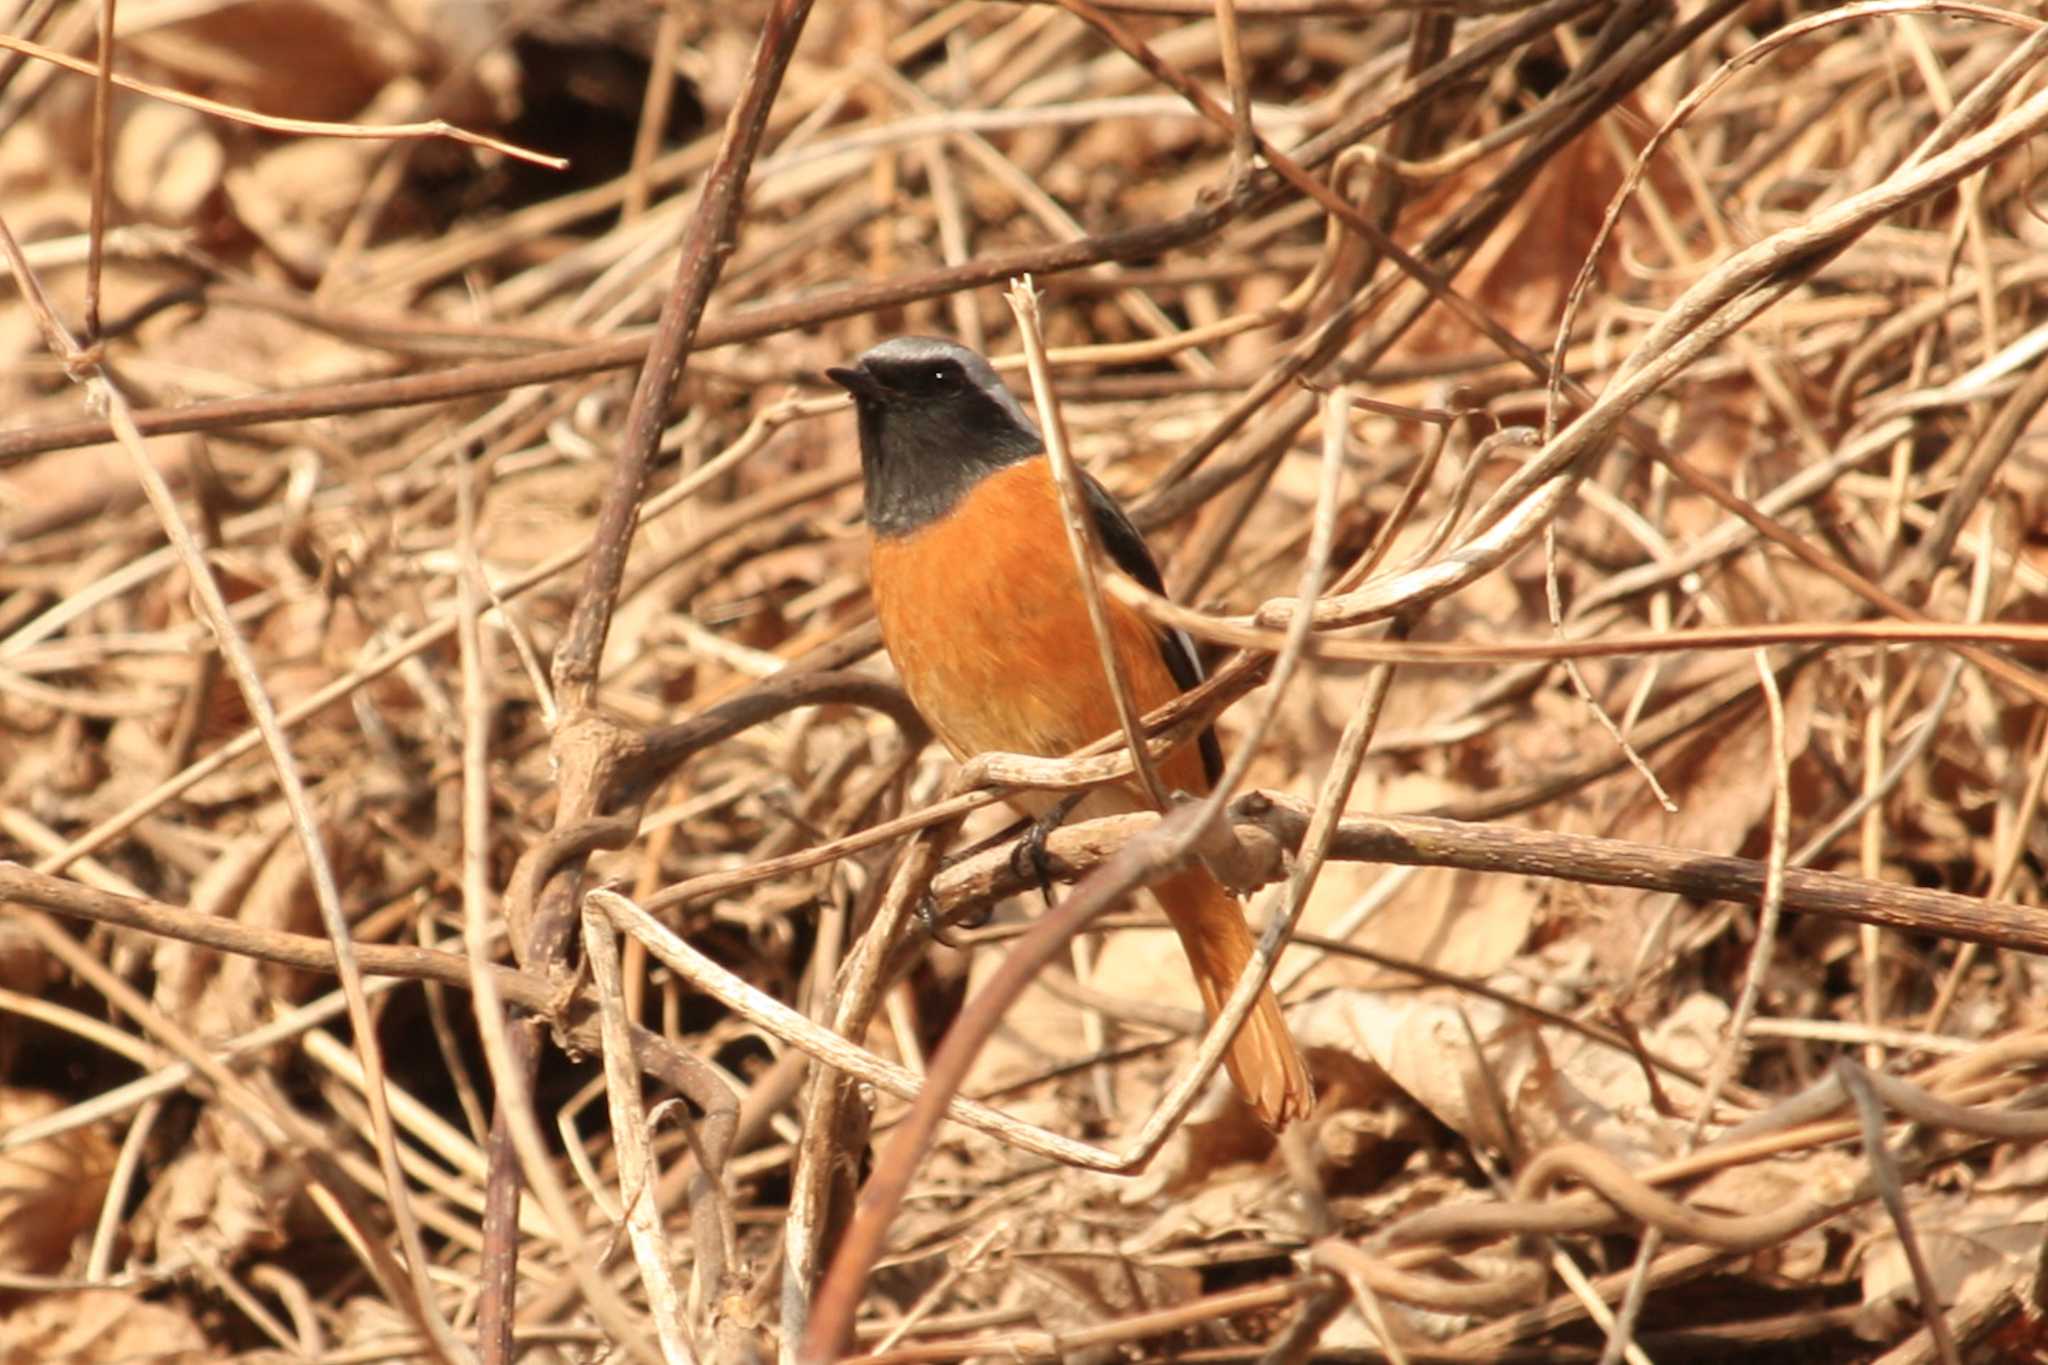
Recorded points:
(919, 463)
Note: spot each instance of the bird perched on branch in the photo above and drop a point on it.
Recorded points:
(983, 612)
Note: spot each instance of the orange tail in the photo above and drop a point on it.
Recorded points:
(1263, 1060)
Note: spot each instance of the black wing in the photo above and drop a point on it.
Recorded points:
(1127, 549)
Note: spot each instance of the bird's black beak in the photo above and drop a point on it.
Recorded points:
(856, 381)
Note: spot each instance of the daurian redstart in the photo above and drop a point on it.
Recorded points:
(982, 611)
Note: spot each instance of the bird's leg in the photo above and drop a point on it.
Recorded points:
(1030, 858)
(928, 909)
(935, 924)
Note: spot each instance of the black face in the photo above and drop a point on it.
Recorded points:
(915, 381)
(934, 420)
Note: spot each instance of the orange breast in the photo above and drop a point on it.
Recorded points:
(983, 614)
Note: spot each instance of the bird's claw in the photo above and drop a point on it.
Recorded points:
(935, 924)
(1030, 859)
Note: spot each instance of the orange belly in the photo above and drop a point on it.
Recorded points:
(983, 614)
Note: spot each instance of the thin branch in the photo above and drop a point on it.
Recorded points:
(433, 128)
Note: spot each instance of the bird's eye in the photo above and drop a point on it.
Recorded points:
(943, 374)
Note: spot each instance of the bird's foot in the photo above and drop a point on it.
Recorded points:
(1030, 858)
(935, 926)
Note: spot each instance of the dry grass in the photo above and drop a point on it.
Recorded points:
(1654, 797)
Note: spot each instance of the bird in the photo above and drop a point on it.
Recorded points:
(982, 612)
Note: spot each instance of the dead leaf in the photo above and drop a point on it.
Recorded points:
(99, 1327)
(50, 1191)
